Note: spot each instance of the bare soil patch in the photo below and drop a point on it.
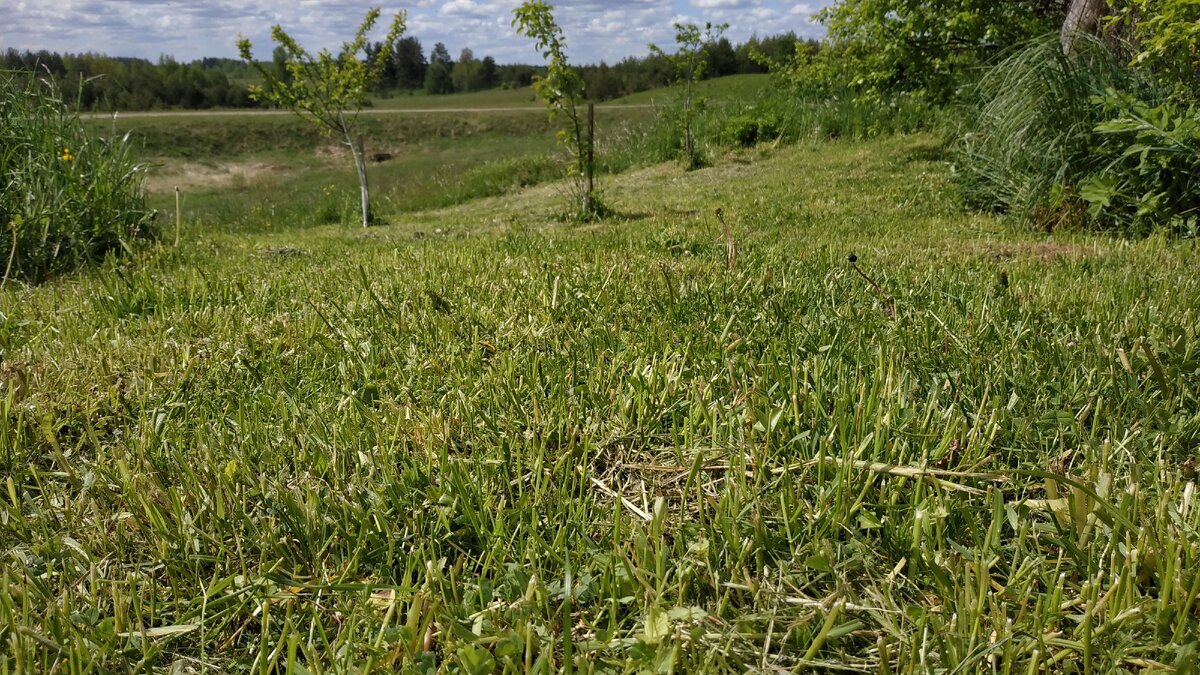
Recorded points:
(192, 175)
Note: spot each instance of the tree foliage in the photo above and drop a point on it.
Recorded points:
(689, 61)
(103, 83)
(438, 78)
(106, 83)
(1166, 40)
(562, 90)
(409, 64)
(326, 89)
(924, 48)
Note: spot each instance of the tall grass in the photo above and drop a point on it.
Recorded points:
(778, 114)
(68, 196)
(1028, 147)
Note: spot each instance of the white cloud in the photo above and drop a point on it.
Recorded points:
(595, 29)
(712, 4)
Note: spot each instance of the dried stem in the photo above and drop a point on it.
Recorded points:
(889, 308)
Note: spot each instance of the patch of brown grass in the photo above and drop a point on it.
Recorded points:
(193, 175)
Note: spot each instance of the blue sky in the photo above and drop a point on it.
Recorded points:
(607, 29)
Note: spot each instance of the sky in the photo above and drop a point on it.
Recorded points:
(185, 30)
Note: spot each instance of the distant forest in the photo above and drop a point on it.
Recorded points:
(104, 83)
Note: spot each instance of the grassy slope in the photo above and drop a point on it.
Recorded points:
(732, 87)
(196, 137)
(523, 97)
(371, 449)
(201, 134)
(256, 171)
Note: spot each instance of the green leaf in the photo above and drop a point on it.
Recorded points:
(1098, 192)
(658, 626)
(868, 521)
(686, 614)
(475, 660)
(1135, 149)
(818, 562)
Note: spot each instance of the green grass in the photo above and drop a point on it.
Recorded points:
(735, 87)
(271, 172)
(206, 137)
(522, 97)
(288, 195)
(478, 439)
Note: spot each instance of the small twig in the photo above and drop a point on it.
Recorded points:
(889, 308)
(730, 244)
(11, 255)
(670, 286)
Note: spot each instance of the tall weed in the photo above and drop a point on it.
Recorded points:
(68, 196)
(1148, 173)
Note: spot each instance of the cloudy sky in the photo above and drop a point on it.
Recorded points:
(605, 29)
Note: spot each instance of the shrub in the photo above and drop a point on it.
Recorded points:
(68, 198)
(749, 128)
(1029, 144)
(1147, 173)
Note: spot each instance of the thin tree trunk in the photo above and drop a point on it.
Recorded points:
(581, 167)
(591, 157)
(1083, 17)
(360, 163)
(689, 141)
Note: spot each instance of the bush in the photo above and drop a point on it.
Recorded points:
(1147, 161)
(749, 129)
(68, 198)
(1166, 39)
(1029, 145)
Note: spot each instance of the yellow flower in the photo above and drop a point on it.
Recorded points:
(66, 155)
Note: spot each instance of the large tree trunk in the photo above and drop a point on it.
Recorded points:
(1083, 17)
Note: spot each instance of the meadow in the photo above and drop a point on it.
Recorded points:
(691, 437)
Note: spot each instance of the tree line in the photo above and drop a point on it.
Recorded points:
(408, 69)
(99, 83)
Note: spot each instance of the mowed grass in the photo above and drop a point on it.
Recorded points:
(479, 439)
